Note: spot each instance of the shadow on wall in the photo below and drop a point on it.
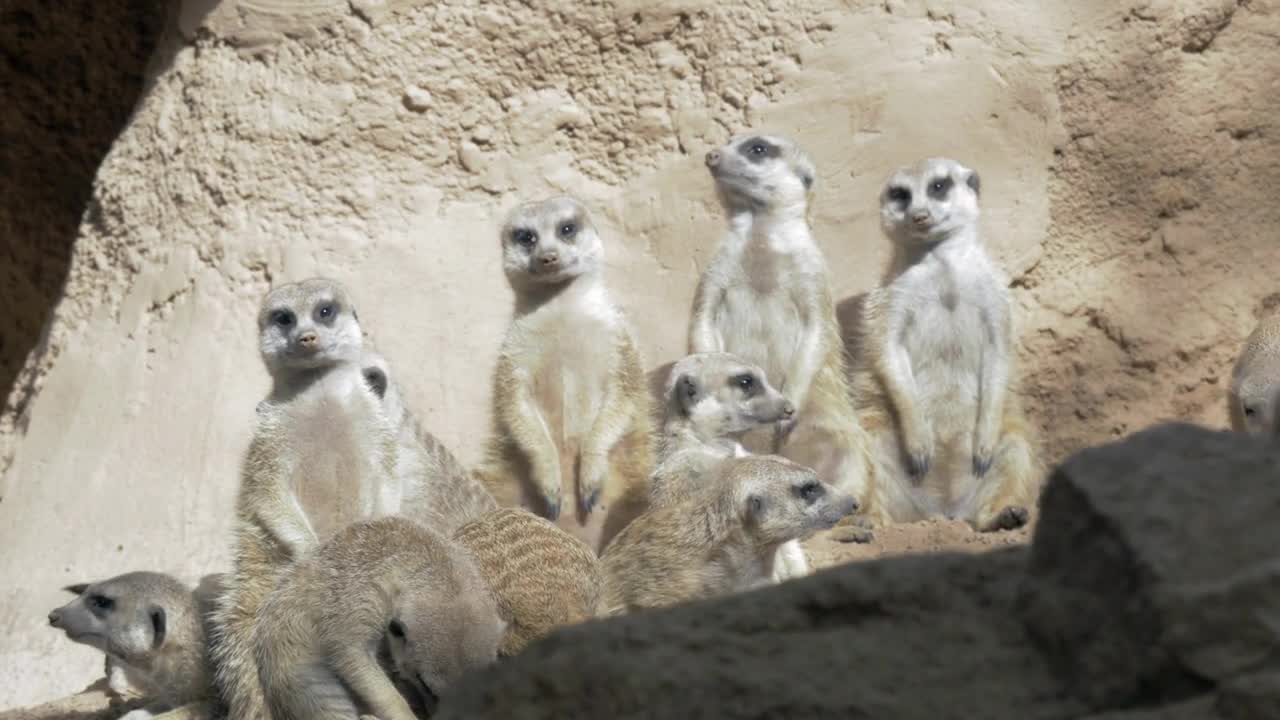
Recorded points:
(72, 76)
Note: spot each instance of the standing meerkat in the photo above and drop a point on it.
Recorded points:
(541, 576)
(571, 403)
(152, 629)
(379, 587)
(434, 488)
(712, 399)
(722, 538)
(323, 455)
(937, 382)
(765, 298)
(1255, 380)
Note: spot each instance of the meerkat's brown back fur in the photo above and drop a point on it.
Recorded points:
(541, 576)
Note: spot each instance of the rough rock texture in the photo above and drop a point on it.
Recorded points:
(1128, 152)
(1146, 593)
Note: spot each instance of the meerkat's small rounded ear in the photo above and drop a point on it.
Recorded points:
(159, 625)
(77, 589)
(974, 182)
(376, 380)
(687, 393)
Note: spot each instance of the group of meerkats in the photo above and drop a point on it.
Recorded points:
(372, 570)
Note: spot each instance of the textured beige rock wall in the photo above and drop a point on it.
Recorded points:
(1127, 149)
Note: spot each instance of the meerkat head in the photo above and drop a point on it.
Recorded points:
(1253, 396)
(127, 616)
(309, 324)
(926, 203)
(764, 173)
(434, 640)
(781, 500)
(550, 243)
(721, 395)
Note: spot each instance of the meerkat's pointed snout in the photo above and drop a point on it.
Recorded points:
(788, 410)
(713, 158)
(309, 340)
(920, 216)
(54, 617)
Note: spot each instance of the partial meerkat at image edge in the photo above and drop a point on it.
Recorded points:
(1255, 380)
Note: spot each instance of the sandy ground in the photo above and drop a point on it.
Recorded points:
(823, 551)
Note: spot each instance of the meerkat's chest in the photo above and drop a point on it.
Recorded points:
(570, 359)
(948, 317)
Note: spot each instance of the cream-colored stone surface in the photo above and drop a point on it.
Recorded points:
(1128, 154)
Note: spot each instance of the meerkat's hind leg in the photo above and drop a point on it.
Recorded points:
(1006, 493)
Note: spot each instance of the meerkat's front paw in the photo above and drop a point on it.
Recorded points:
(591, 474)
(854, 529)
(984, 451)
(919, 453)
(549, 484)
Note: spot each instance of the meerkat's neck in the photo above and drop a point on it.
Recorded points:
(588, 287)
(290, 383)
(781, 228)
(953, 247)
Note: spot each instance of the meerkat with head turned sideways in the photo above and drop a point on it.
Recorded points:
(380, 591)
(541, 576)
(434, 489)
(1255, 380)
(722, 538)
(936, 384)
(324, 454)
(571, 414)
(153, 631)
(712, 399)
(765, 298)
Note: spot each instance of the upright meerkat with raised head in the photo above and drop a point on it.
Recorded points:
(152, 629)
(1255, 380)
(765, 298)
(937, 383)
(435, 489)
(323, 455)
(722, 538)
(712, 399)
(379, 587)
(571, 403)
(541, 576)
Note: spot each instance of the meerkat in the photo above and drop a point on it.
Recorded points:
(711, 400)
(152, 629)
(384, 587)
(722, 538)
(571, 402)
(435, 489)
(937, 381)
(765, 297)
(1255, 380)
(324, 454)
(541, 576)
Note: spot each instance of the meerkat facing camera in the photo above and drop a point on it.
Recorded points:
(765, 298)
(723, 537)
(384, 587)
(937, 383)
(571, 403)
(541, 576)
(323, 455)
(1255, 380)
(152, 629)
(712, 399)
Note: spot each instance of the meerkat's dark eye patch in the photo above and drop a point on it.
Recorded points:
(757, 150)
(899, 195)
(1249, 411)
(396, 628)
(101, 602)
(939, 188)
(283, 318)
(326, 312)
(747, 382)
(524, 237)
(810, 491)
(567, 229)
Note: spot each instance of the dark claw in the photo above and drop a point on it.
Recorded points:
(1010, 518)
(588, 503)
(553, 509)
(981, 465)
(918, 465)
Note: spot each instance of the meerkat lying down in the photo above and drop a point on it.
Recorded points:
(379, 588)
(723, 537)
(153, 631)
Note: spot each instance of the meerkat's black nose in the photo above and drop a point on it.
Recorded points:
(713, 158)
(308, 340)
(920, 216)
(53, 617)
(788, 409)
(550, 259)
